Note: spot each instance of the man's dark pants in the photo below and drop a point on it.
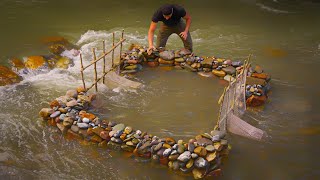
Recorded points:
(165, 31)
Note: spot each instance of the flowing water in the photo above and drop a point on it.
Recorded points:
(283, 36)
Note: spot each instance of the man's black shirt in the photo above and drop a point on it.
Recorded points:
(178, 13)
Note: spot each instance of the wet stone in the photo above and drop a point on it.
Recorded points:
(158, 146)
(175, 165)
(221, 134)
(55, 114)
(128, 130)
(165, 145)
(184, 157)
(211, 156)
(201, 163)
(113, 145)
(173, 152)
(210, 148)
(167, 152)
(173, 157)
(197, 174)
(118, 134)
(68, 121)
(181, 148)
(62, 116)
(189, 163)
(116, 140)
(127, 148)
(191, 147)
(75, 128)
(204, 142)
(135, 141)
(194, 156)
(201, 151)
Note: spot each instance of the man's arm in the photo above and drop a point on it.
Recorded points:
(184, 34)
(152, 28)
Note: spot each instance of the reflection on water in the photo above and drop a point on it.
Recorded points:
(173, 103)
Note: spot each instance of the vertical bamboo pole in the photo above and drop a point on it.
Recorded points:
(95, 69)
(104, 60)
(112, 58)
(121, 44)
(84, 84)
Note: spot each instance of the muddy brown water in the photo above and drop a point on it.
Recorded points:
(283, 37)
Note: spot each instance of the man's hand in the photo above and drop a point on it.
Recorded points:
(184, 35)
(150, 49)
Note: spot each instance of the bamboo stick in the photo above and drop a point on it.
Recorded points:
(82, 77)
(96, 60)
(104, 59)
(112, 58)
(95, 69)
(121, 45)
(91, 86)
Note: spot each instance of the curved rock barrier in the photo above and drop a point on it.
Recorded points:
(257, 84)
(200, 157)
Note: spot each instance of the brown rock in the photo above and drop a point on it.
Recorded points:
(105, 135)
(255, 101)
(165, 145)
(81, 89)
(90, 131)
(35, 62)
(170, 141)
(7, 76)
(211, 156)
(218, 73)
(97, 130)
(67, 122)
(16, 63)
(54, 103)
(258, 69)
(97, 139)
(163, 160)
(162, 61)
(200, 151)
(215, 173)
(264, 76)
(46, 112)
(197, 174)
(72, 135)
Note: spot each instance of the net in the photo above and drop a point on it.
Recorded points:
(233, 106)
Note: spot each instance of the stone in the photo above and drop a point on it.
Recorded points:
(127, 148)
(63, 63)
(173, 152)
(255, 101)
(201, 151)
(167, 55)
(257, 81)
(191, 147)
(63, 110)
(188, 67)
(35, 62)
(228, 62)
(83, 125)
(218, 146)
(62, 116)
(83, 132)
(189, 163)
(97, 130)
(130, 143)
(201, 163)
(261, 76)
(211, 156)
(218, 73)
(173, 157)
(81, 89)
(72, 103)
(75, 128)
(204, 142)
(116, 140)
(167, 146)
(181, 148)
(73, 135)
(131, 67)
(229, 78)
(197, 174)
(185, 157)
(194, 156)
(158, 146)
(229, 70)
(153, 63)
(7, 76)
(160, 152)
(72, 93)
(104, 135)
(224, 142)
(258, 69)
(167, 152)
(85, 120)
(215, 173)
(236, 63)
(113, 145)
(175, 165)
(207, 62)
(62, 128)
(128, 130)
(184, 52)
(118, 127)
(179, 60)
(118, 134)
(123, 136)
(46, 112)
(135, 141)
(210, 148)
(68, 121)
(163, 160)
(170, 141)
(55, 114)
(167, 62)
(16, 63)
(221, 134)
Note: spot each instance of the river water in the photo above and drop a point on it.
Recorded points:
(283, 36)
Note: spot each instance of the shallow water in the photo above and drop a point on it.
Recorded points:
(283, 37)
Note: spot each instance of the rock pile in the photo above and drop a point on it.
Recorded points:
(200, 156)
(257, 81)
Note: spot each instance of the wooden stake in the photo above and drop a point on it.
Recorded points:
(112, 58)
(121, 44)
(95, 69)
(84, 84)
(104, 60)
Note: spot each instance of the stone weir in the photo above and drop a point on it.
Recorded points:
(257, 81)
(200, 157)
